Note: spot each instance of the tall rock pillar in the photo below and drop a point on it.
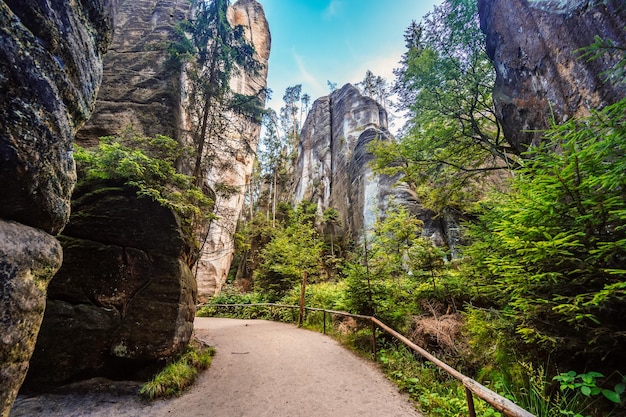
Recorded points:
(141, 91)
(333, 164)
(233, 160)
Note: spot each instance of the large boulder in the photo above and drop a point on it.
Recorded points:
(124, 299)
(50, 71)
(535, 46)
(28, 259)
(51, 66)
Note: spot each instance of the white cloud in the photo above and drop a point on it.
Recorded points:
(333, 8)
(305, 76)
(382, 66)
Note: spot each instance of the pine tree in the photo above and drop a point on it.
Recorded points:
(212, 52)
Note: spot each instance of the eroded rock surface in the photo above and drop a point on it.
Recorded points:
(124, 298)
(51, 66)
(28, 259)
(540, 74)
(141, 91)
(50, 71)
(233, 158)
(333, 164)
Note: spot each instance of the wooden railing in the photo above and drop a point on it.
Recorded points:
(472, 387)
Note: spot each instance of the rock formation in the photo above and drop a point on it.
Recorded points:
(124, 298)
(233, 158)
(540, 74)
(50, 71)
(333, 164)
(139, 90)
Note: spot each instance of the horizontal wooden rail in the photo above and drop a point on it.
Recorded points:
(497, 401)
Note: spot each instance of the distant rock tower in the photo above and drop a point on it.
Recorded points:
(333, 164)
(233, 159)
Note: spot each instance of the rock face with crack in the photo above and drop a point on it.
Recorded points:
(139, 90)
(333, 164)
(51, 66)
(535, 46)
(123, 300)
(50, 71)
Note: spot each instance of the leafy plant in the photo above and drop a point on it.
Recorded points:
(552, 251)
(587, 385)
(147, 164)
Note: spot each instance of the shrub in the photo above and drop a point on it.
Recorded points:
(149, 165)
(552, 251)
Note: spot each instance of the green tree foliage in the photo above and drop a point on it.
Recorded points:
(278, 146)
(376, 87)
(147, 164)
(289, 112)
(453, 139)
(553, 251)
(331, 220)
(273, 153)
(213, 52)
(295, 248)
(394, 259)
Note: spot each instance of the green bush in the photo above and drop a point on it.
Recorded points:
(294, 250)
(552, 251)
(149, 165)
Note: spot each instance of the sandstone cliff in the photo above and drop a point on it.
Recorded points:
(333, 164)
(141, 91)
(138, 89)
(535, 48)
(233, 158)
(50, 71)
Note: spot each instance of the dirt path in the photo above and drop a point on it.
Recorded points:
(261, 369)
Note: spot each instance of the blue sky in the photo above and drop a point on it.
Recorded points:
(338, 40)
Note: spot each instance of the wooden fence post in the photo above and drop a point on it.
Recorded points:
(373, 340)
(470, 402)
(302, 293)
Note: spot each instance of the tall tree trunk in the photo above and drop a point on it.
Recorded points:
(274, 200)
(201, 141)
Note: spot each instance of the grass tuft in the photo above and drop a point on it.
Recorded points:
(179, 375)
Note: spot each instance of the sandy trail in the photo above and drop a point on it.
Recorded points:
(261, 369)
